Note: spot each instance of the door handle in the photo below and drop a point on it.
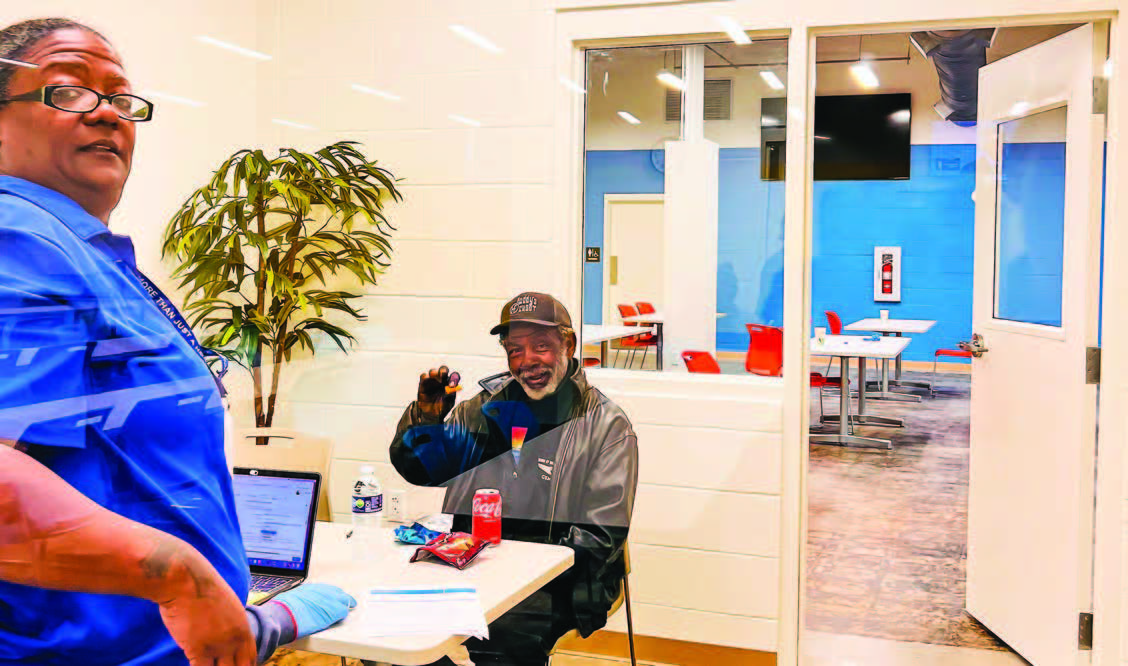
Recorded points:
(976, 346)
(614, 269)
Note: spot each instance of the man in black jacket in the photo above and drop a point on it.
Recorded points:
(564, 457)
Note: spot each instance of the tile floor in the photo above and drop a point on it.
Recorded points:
(887, 529)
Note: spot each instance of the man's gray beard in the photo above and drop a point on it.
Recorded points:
(558, 374)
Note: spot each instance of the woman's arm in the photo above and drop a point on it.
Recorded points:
(52, 536)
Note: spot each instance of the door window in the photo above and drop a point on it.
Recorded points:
(1030, 218)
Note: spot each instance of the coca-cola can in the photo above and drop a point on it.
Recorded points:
(487, 515)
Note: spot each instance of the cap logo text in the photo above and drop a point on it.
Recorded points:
(523, 304)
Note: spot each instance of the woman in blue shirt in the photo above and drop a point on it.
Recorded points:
(119, 542)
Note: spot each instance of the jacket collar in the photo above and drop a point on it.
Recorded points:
(82, 224)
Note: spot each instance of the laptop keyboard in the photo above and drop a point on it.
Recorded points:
(264, 583)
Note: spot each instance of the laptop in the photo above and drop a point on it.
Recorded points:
(277, 510)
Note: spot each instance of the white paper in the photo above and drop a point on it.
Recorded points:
(401, 611)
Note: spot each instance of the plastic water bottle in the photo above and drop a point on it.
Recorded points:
(367, 512)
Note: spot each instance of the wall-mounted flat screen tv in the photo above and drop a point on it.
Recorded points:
(857, 137)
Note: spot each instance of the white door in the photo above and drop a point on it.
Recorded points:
(1033, 417)
(633, 252)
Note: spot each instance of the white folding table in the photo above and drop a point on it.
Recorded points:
(593, 333)
(894, 327)
(504, 575)
(657, 320)
(846, 347)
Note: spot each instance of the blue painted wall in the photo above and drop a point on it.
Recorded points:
(611, 172)
(1030, 233)
(749, 247)
(930, 216)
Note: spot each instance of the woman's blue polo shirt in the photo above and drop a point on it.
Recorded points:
(98, 385)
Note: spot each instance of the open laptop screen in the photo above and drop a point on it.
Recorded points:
(275, 517)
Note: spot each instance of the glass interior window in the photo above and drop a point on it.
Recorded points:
(1030, 218)
(746, 115)
(637, 112)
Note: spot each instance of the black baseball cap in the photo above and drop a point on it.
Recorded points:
(532, 308)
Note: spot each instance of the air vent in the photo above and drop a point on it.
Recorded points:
(718, 101)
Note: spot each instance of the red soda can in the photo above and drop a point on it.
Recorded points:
(487, 515)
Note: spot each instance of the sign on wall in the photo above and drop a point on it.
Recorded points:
(591, 255)
(887, 274)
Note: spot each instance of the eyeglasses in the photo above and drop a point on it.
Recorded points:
(79, 99)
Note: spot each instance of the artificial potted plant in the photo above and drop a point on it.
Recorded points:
(257, 245)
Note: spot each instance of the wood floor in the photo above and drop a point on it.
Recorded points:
(887, 539)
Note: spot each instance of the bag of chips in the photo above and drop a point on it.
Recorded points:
(456, 549)
(416, 534)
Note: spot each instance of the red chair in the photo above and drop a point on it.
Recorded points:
(765, 350)
(645, 308)
(765, 358)
(834, 327)
(634, 343)
(956, 353)
(592, 362)
(820, 382)
(701, 361)
(833, 322)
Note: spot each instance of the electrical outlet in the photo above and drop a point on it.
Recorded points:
(395, 506)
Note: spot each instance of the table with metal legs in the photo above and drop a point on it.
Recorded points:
(847, 347)
(504, 576)
(895, 328)
(657, 320)
(897, 381)
(603, 335)
(879, 389)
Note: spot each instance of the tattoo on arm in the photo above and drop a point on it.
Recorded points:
(169, 553)
(158, 562)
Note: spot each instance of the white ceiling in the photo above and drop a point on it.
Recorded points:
(855, 47)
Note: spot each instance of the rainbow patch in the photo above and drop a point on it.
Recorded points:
(519, 437)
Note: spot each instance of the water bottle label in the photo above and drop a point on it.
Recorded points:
(368, 503)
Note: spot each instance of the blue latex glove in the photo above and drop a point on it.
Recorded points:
(316, 606)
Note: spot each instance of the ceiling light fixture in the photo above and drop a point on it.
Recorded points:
(475, 39)
(377, 93)
(771, 79)
(671, 80)
(864, 75)
(234, 48)
(572, 85)
(735, 32)
(290, 123)
(464, 120)
(627, 116)
(175, 99)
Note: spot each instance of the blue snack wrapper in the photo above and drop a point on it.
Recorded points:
(416, 534)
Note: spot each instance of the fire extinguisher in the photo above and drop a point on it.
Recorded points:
(887, 276)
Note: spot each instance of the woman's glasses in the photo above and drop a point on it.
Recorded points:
(79, 99)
